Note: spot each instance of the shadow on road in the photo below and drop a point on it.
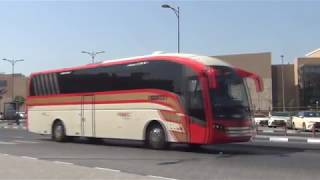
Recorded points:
(220, 150)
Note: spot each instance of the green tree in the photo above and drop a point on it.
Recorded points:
(20, 100)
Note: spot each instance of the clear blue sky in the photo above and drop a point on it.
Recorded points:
(52, 34)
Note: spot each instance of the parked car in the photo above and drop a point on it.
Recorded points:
(261, 119)
(280, 119)
(305, 120)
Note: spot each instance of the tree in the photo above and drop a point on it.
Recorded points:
(20, 100)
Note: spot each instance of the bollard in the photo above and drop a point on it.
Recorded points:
(313, 130)
(285, 129)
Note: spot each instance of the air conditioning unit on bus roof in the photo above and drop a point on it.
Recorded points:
(157, 52)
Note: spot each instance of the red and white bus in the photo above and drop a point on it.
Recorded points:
(158, 99)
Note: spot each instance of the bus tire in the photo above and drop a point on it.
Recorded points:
(59, 132)
(156, 137)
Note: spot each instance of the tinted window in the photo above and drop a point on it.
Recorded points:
(44, 84)
(142, 75)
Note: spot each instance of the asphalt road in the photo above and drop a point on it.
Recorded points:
(254, 160)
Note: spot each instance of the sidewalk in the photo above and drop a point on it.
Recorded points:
(12, 167)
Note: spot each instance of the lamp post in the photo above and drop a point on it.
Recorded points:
(92, 54)
(177, 13)
(12, 62)
(282, 82)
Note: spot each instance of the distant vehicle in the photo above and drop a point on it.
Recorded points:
(280, 119)
(261, 119)
(157, 99)
(305, 120)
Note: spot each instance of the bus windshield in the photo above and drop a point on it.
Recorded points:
(230, 98)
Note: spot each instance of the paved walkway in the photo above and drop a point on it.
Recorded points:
(13, 167)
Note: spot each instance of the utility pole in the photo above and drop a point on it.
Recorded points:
(177, 13)
(12, 62)
(282, 82)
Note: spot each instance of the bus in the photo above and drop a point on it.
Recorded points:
(158, 99)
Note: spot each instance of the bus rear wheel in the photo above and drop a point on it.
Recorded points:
(156, 138)
(59, 132)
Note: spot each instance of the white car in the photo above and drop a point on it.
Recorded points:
(305, 120)
(261, 119)
(280, 119)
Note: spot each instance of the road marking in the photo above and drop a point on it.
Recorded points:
(3, 142)
(61, 162)
(159, 177)
(278, 139)
(313, 141)
(5, 154)
(27, 157)
(107, 169)
(26, 142)
(19, 137)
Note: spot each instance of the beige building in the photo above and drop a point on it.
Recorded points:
(259, 63)
(20, 88)
(307, 79)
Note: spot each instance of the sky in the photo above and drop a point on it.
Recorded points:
(52, 34)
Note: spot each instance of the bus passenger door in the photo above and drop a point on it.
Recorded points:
(196, 111)
(87, 116)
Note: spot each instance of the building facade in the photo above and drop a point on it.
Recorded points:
(20, 88)
(307, 79)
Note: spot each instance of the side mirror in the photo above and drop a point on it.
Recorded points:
(212, 78)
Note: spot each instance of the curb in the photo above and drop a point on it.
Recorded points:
(278, 131)
(13, 127)
(288, 139)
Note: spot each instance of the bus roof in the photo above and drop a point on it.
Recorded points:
(204, 60)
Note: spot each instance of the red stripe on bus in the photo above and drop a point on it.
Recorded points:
(156, 91)
(102, 102)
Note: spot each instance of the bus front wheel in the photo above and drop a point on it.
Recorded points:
(59, 132)
(156, 138)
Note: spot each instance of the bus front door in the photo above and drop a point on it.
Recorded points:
(196, 112)
(87, 116)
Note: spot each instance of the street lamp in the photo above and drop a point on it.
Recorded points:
(177, 13)
(282, 82)
(92, 54)
(12, 62)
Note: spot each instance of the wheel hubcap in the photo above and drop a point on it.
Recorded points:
(155, 135)
(58, 131)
